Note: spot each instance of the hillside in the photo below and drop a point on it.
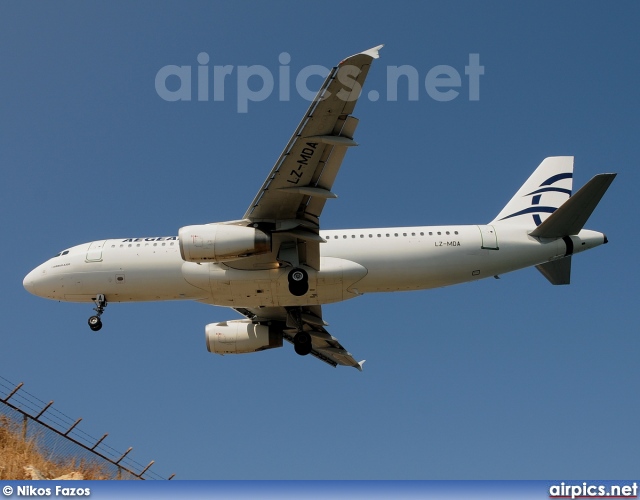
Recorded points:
(25, 459)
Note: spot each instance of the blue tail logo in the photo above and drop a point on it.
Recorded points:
(546, 187)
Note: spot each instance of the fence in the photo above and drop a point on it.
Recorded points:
(59, 437)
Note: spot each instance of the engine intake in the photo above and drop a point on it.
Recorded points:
(240, 337)
(221, 242)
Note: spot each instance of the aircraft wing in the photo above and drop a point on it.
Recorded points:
(298, 186)
(325, 347)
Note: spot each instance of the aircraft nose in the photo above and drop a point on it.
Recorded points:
(29, 282)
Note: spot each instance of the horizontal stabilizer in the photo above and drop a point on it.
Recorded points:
(558, 272)
(572, 215)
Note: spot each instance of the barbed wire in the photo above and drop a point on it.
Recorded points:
(61, 438)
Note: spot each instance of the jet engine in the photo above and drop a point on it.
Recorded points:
(221, 242)
(240, 337)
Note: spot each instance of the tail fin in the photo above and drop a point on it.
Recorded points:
(544, 191)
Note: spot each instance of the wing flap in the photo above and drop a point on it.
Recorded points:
(331, 165)
(326, 347)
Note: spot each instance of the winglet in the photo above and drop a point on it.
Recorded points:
(360, 363)
(373, 53)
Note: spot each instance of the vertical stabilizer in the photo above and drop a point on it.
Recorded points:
(544, 191)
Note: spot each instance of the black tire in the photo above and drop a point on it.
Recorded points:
(302, 343)
(298, 282)
(95, 323)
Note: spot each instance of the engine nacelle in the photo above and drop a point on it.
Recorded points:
(240, 337)
(221, 242)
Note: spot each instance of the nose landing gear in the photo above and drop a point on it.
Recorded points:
(95, 323)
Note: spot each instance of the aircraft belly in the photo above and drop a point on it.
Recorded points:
(270, 287)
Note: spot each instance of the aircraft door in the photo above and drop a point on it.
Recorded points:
(94, 253)
(489, 237)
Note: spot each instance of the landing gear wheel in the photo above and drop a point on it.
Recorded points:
(302, 343)
(298, 282)
(95, 323)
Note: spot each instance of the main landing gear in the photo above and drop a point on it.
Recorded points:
(298, 281)
(95, 323)
(302, 343)
(301, 340)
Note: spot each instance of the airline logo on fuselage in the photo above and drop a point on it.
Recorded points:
(161, 238)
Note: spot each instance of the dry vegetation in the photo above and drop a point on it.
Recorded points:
(20, 458)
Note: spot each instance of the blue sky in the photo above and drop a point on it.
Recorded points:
(499, 379)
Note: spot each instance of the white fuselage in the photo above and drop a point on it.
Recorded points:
(353, 262)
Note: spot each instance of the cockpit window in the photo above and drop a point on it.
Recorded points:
(61, 253)
(65, 252)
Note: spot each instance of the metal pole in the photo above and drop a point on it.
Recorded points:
(147, 467)
(71, 428)
(43, 410)
(99, 441)
(13, 392)
(125, 454)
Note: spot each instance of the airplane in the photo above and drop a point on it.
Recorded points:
(277, 267)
